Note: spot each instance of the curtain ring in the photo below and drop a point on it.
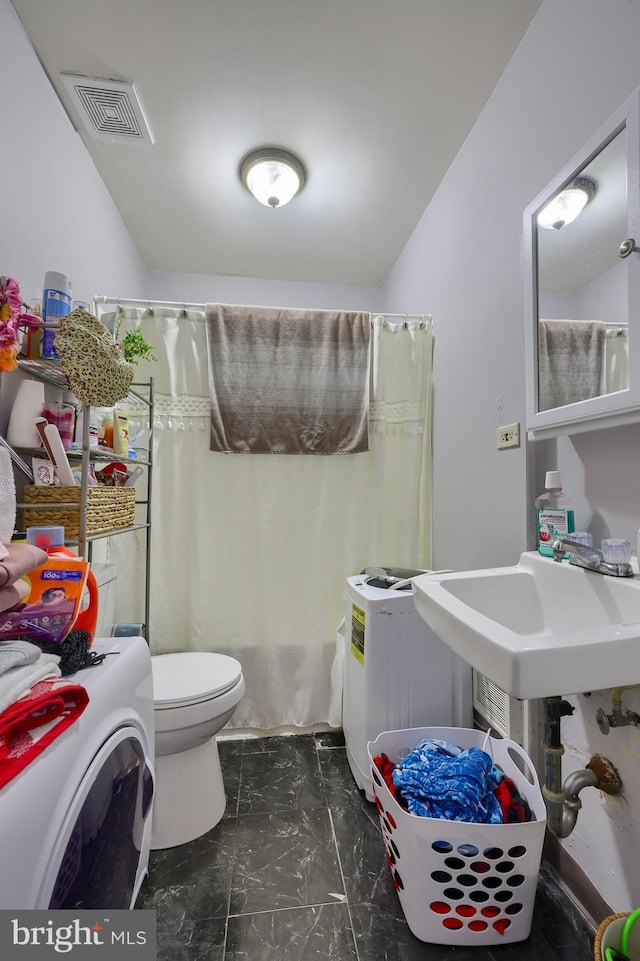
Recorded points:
(183, 312)
(149, 309)
(119, 309)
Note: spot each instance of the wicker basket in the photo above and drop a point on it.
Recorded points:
(108, 508)
(598, 949)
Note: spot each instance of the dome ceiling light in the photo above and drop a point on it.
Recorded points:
(568, 205)
(272, 175)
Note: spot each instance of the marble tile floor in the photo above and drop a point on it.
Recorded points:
(296, 871)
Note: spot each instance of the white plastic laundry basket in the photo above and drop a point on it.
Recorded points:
(462, 883)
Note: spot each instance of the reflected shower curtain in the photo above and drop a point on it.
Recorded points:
(617, 360)
(250, 552)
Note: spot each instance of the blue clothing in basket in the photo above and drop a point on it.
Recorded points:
(439, 780)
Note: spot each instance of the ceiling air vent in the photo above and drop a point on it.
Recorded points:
(110, 109)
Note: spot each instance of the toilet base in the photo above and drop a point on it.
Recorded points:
(189, 798)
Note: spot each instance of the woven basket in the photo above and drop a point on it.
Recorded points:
(108, 508)
(602, 927)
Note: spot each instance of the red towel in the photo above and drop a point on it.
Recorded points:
(29, 725)
(515, 809)
(385, 766)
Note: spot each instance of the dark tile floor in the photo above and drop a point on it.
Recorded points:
(296, 871)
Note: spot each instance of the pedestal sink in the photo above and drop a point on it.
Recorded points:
(539, 628)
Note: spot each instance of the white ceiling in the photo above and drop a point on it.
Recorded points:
(376, 97)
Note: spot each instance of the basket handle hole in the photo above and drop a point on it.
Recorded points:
(522, 763)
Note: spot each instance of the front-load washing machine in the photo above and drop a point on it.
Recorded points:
(75, 823)
(397, 672)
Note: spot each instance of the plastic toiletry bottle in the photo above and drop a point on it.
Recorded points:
(34, 334)
(56, 303)
(89, 412)
(107, 427)
(120, 433)
(51, 539)
(554, 513)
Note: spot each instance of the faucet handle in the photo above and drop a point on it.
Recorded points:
(581, 537)
(616, 550)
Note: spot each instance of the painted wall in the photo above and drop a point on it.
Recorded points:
(209, 288)
(576, 63)
(605, 298)
(55, 212)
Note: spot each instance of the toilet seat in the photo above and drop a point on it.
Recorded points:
(192, 677)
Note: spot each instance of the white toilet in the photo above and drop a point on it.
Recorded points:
(194, 694)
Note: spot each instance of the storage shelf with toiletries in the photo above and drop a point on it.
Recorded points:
(97, 453)
(90, 511)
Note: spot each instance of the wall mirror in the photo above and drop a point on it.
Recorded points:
(582, 286)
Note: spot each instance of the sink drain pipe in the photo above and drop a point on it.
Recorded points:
(563, 800)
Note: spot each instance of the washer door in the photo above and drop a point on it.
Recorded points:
(97, 861)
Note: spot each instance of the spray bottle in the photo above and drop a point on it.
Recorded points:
(56, 303)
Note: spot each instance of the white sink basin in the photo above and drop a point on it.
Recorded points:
(540, 628)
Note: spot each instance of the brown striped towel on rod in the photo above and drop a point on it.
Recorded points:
(285, 381)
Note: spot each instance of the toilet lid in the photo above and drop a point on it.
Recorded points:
(192, 676)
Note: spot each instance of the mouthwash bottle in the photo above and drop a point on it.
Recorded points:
(555, 513)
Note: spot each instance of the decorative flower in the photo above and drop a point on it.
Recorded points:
(11, 317)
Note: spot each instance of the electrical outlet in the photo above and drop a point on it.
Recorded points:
(508, 436)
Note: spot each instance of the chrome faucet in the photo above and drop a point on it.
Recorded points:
(581, 555)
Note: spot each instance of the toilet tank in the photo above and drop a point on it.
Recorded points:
(105, 575)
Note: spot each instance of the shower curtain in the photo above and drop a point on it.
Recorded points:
(250, 552)
(617, 359)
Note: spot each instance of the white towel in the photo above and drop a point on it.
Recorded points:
(7, 497)
(17, 654)
(19, 680)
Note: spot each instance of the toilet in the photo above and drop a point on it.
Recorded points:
(195, 694)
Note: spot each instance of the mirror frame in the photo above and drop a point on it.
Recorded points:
(623, 406)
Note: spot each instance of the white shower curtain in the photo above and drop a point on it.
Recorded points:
(617, 360)
(250, 552)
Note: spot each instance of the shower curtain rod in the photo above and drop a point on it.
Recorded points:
(132, 302)
(378, 313)
(182, 305)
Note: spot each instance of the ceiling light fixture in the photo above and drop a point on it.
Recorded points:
(272, 175)
(569, 203)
